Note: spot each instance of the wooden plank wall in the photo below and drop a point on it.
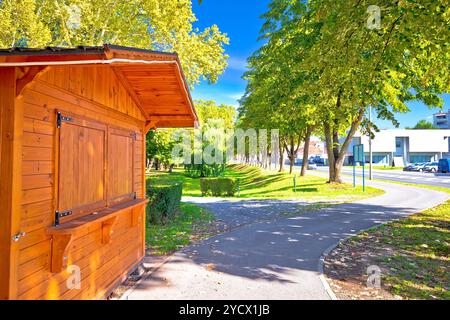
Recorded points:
(10, 177)
(96, 93)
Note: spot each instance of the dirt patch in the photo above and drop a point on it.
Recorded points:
(346, 269)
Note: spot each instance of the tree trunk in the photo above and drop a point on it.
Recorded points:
(337, 152)
(149, 164)
(281, 158)
(329, 146)
(291, 165)
(291, 155)
(306, 153)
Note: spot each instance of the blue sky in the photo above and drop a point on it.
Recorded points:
(240, 19)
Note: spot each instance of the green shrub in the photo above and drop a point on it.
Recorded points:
(164, 202)
(218, 187)
(204, 170)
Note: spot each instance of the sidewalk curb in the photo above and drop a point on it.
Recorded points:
(322, 278)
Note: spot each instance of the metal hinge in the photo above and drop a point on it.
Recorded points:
(61, 214)
(60, 118)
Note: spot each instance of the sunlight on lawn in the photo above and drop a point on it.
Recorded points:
(257, 183)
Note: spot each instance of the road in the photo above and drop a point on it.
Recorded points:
(270, 255)
(431, 179)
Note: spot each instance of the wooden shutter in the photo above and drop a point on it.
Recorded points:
(82, 166)
(120, 166)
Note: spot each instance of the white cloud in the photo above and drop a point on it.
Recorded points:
(236, 96)
(237, 64)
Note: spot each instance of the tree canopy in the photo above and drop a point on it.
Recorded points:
(163, 25)
(330, 58)
(213, 120)
(424, 124)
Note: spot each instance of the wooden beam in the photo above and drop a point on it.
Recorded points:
(176, 124)
(157, 118)
(123, 80)
(28, 76)
(148, 126)
(11, 117)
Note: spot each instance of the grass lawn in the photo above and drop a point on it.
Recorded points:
(191, 224)
(420, 265)
(258, 183)
(412, 252)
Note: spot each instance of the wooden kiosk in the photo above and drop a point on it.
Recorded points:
(72, 164)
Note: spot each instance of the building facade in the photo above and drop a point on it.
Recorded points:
(441, 120)
(399, 147)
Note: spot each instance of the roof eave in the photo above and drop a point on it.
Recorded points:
(106, 54)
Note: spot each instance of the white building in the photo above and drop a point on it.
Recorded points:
(442, 120)
(399, 147)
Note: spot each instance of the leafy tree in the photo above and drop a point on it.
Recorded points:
(208, 110)
(273, 98)
(341, 66)
(163, 25)
(214, 121)
(424, 124)
(20, 25)
(160, 144)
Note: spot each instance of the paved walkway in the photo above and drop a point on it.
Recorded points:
(268, 256)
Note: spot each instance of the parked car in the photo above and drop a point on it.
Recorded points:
(444, 166)
(409, 167)
(319, 161)
(419, 166)
(311, 164)
(431, 167)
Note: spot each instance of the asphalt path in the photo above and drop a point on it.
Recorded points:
(272, 251)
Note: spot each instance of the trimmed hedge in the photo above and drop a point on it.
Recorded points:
(218, 187)
(164, 202)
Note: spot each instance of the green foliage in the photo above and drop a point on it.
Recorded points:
(209, 111)
(161, 142)
(204, 170)
(164, 201)
(257, 183)
(218, 187)
(322, 63)
(151, 24)
(159, 146)
(424, 124)
(215, 120)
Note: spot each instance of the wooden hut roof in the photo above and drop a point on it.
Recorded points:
(154, 80)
